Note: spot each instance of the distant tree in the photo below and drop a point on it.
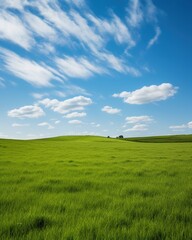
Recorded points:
(120, 136)
(108, 136)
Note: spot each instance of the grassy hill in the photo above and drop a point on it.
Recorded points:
(95, 188)
(162, 139)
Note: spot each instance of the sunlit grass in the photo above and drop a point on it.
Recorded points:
(95, 188)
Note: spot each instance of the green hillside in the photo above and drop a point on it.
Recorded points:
(95, 188)
(162, 139)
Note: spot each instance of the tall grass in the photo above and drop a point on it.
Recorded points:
(95, 188)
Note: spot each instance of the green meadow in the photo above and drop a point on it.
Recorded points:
(96, 188)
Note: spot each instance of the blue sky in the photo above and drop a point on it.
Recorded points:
(105, 67)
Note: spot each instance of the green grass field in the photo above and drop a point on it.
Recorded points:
(95, 188)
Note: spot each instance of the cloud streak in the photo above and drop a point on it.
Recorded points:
(155, 38)
(36, 74)
(12, 29)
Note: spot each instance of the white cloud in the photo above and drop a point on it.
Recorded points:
(155, 38)
(138, 119)
(31, 111)
(176, 127)
(75, 115)
(76, 90)
(45, 124)
(135, 13)
(151, 11)
(137, 127)
(70, 23)
(39, 95)
(2, 82)
(110, 110)
(30, 71)
(57, 122)
(12, 29)
(20, 125)
(117, 64)
(73, 104)
(40, 27)
(60, 94)
(78, 3)
(16, 4)
(189, 124)
(121, 32)
(75, 122)
(148, 94)
(115, 27)
(95, 124)
(181, 127)
(77, 68)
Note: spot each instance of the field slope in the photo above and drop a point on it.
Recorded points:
(95, 188)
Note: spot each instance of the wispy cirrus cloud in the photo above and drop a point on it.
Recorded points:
(137, 127)
(138, 119)
(2, 82)
(77, 68)
(135, 13)
(15, 125)
(40, 27)
(151, 11)
(39, 75)
(46, 124)
(78, 3)
(155, 38)
(148, 94)
(12, 29)
(181, 127)
(115, 27)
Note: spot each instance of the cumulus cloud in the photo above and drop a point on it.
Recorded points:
(148, 94)
(30, 71)
(12, 29)
(138, 119)
(155, 38)
(74, 122)
(31, 111)
(73, 104)
(189, 124)
(137, 127)
(45, 124)
(75, 115)
(110, 110)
